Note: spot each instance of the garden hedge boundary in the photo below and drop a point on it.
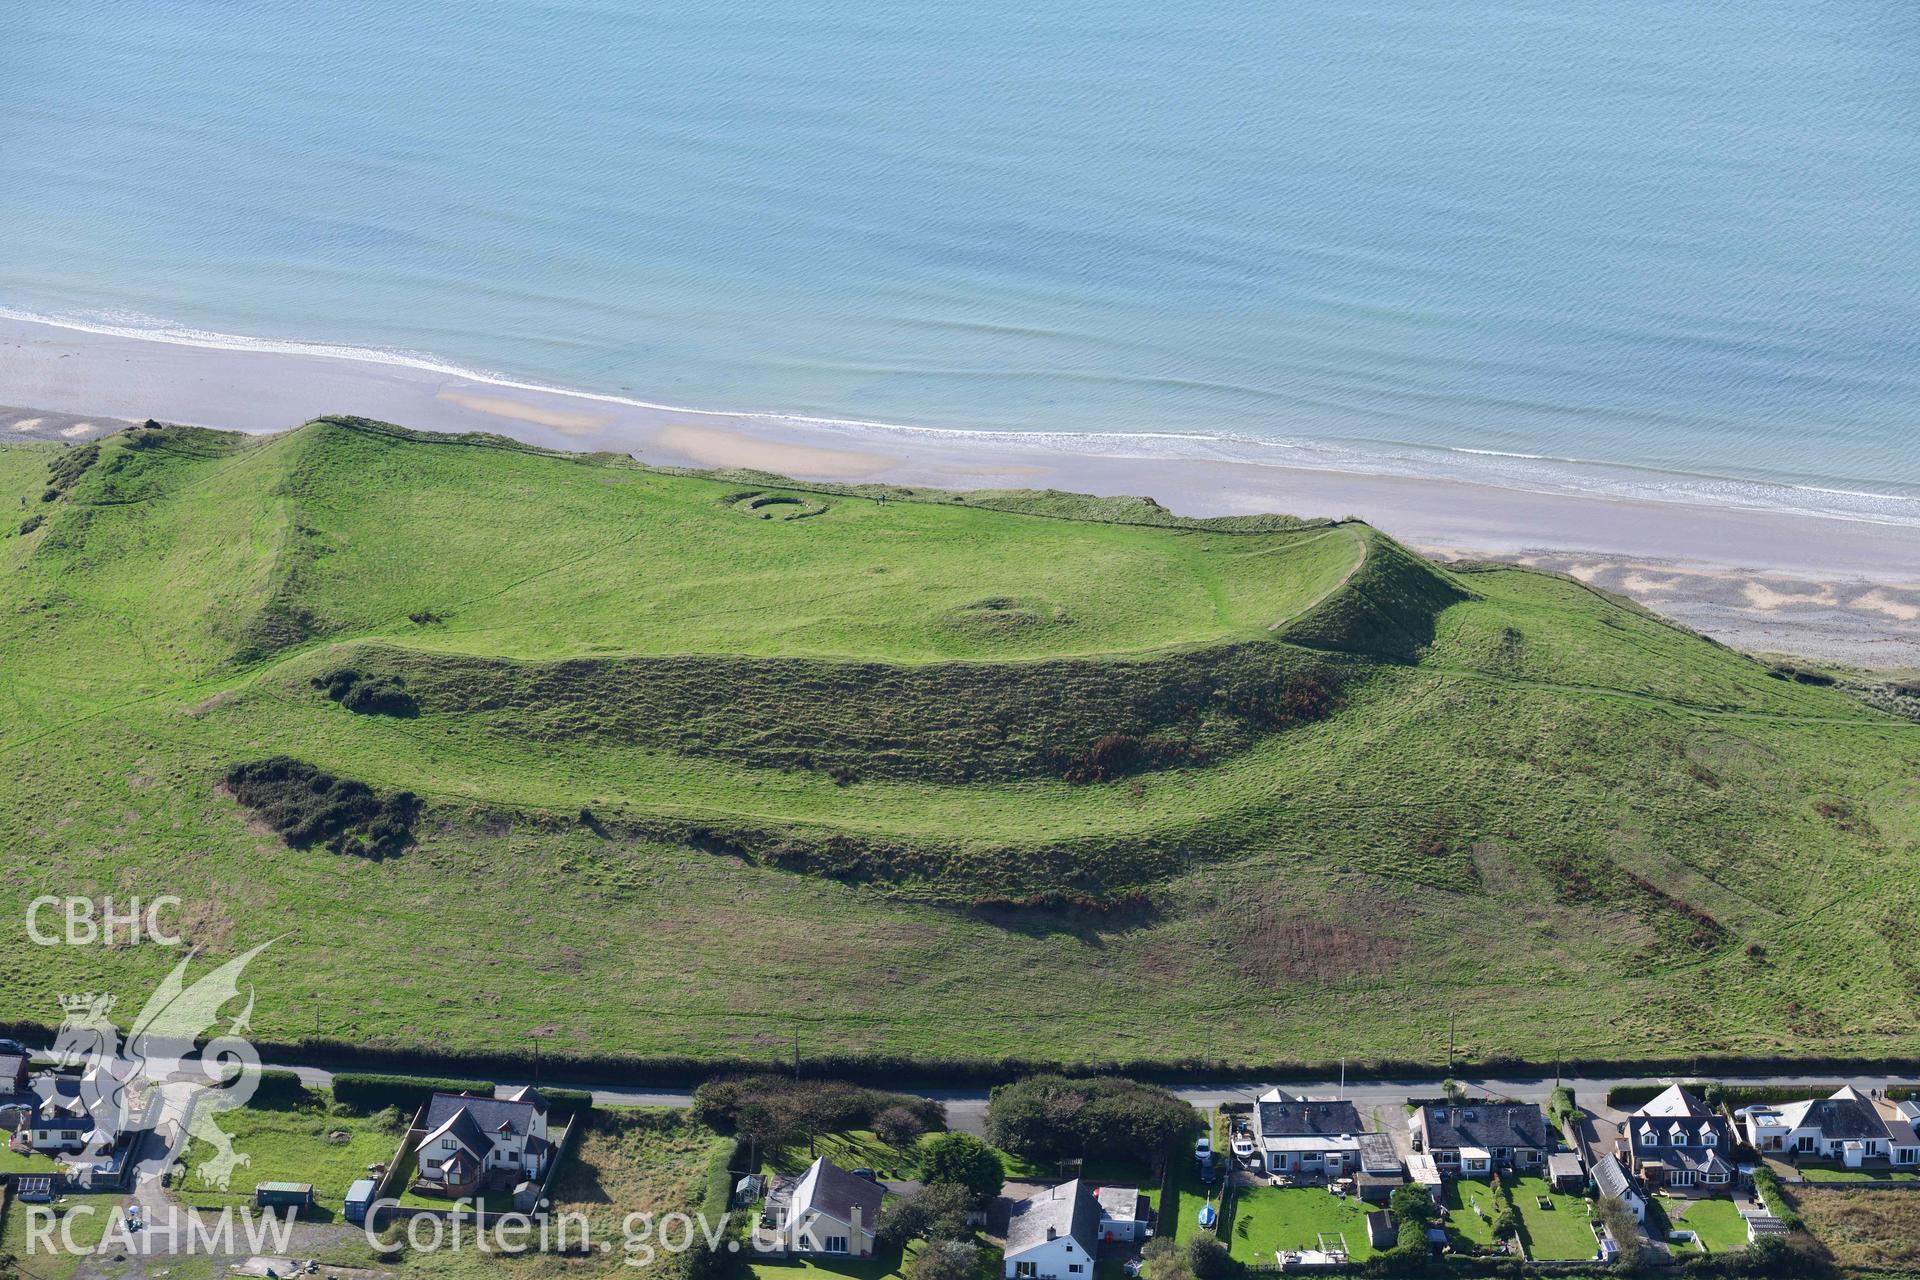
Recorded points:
(902, 1072)
(369, 1093)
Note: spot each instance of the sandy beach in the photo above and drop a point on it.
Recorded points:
(1772, 582)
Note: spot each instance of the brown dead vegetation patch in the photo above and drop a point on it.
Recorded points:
(1281, 940)
(1865, 1228)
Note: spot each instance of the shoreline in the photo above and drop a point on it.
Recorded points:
(1836, 589)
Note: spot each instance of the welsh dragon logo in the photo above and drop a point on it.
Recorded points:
(161, 1082)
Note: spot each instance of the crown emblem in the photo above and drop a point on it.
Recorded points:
(87, 1004)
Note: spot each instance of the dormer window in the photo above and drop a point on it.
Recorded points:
(1707, 1137)
(1648, 1138)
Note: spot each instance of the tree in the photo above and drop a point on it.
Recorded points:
(962, 1159)
(1050, 1116)
(1413, 1203)
(936, 1212)
(1208, 1259)
(767, 1124)
(946, 1260)
(1625, 1232)
(1166, 1260)
(898, 1127)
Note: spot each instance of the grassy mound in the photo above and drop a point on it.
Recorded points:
(949, 722)
(981, 774)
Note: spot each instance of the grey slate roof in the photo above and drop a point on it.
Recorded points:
(827, 1188)
(1846, 1116)
(490, 1114)
(1488, 1125)
(461, 1125)
(1067, 1209)
(1294, 1118)
(1677, 1107)
(1610, 1177)
(13, 1065)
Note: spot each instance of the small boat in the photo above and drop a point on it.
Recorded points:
(1207, 1216)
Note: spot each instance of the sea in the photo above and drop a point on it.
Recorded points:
(1632, 246)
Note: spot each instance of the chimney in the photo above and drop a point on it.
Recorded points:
(1053, 1233)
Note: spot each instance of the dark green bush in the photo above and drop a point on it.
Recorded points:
(279, 1087)
(576, 1103)
(31, 523)
(1050, 1116)
(307, 807)
(67, 468)
(805, 1106)
(367, 1093)
(368, 694)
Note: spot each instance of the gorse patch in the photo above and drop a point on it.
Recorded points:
(307, 806)
(368, 695)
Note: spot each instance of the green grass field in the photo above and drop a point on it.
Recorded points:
(12, 1161)
(316, 1144)
(1470, 1209)
(82, 1220)
(840, 771)
(1835, 1174)
(1716, 1223)
(628, 1161)
(1559, 1233)
(1266, 1219)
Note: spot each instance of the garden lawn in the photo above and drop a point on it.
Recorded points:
(1716, 1223)
(1266, 1219)
(886, 1264)
(290, 1144)
(1827, 1173)
(12, 1161)
(1561, 1234)
(850, 1149)
(1470, 1229)
(88, 1227)
(492, 1201)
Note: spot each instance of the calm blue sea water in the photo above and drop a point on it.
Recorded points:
(1676, 235)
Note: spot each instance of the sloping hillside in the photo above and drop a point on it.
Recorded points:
(667, 762)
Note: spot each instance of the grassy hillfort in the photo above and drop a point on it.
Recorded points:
(502, 742)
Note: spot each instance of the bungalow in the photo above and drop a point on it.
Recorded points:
(1472, 1140)
(1306, 1135)
(1122, 1213)
(1613, 1182)
(1053, 1235)
(1676, 1143)
(1849, 1127)
(829, 1211)
(62, 1124)
(470, 1144)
